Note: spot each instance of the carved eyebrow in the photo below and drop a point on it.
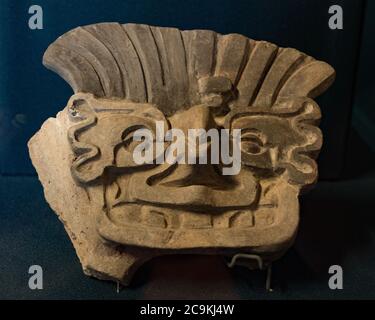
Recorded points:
(126, 111)
(253, 131)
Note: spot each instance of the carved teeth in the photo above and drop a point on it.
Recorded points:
(189, 220)
(156, 218)
(196, 220)
(153, 218)
(243, 219)
(264, 217)
(125, 215)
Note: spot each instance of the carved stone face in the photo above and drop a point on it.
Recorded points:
(174, 206)
(120, 213)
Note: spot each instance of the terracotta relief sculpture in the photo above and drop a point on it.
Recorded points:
(118, 213)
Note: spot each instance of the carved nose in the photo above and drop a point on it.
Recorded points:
(197, 117)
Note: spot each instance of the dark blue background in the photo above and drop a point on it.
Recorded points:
(29, 93)
(337, 220)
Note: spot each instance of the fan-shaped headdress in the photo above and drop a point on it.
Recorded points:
(164, 66)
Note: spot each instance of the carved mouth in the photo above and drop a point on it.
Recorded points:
(176, 217)
(271, 219)
(175, 228)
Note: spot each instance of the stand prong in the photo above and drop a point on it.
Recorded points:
(268, 279)
(246, 256)
(260, 262)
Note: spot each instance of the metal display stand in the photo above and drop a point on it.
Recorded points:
(260, 262)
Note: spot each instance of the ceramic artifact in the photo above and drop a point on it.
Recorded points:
(119, 213)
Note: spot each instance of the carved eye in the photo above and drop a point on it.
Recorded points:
(128, 137)
(124, 149)
(252, 141)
